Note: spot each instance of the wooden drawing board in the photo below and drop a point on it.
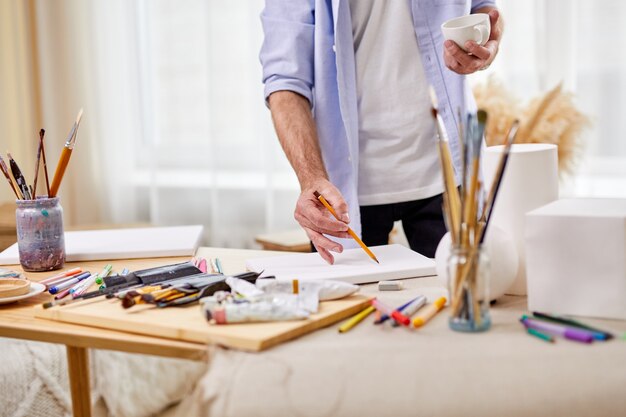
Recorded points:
(189, 324)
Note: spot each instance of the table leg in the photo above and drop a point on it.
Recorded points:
(78, 368)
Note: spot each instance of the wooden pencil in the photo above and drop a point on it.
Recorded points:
(350, 231)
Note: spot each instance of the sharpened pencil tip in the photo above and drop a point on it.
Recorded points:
(316, 194)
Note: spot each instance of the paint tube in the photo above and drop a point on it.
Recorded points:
(262, 308)
(243, 287)
(326, 289)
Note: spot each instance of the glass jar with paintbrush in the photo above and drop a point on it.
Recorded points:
(468, 272)
(40, 237)
(467, 215)
(39, 219)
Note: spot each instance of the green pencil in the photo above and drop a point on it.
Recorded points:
(540, 335)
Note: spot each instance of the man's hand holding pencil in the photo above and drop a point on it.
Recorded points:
(317, 221)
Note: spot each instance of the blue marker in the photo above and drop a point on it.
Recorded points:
(66, 284)
(385, 317)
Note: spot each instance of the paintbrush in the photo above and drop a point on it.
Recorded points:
(454, 201)
(497, 180)
(19, 177)
(41, 133)
(43, 157)
(10, 178)
(66, 153)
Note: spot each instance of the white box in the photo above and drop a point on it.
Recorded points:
(576, 258)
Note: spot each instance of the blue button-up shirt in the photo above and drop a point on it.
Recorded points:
(308, 49)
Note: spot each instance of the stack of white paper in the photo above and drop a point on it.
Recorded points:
(353, 265)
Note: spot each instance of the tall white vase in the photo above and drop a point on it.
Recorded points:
(531, 180)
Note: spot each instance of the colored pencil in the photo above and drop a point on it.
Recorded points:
(350, 231)
(66, 153)
(597, 333)
(540, 335)
(356, 319)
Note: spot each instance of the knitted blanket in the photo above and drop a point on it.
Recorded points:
(34, 381)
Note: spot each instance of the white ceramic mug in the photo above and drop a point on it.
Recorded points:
(473, 27)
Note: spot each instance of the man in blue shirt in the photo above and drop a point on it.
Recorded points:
(347, 85)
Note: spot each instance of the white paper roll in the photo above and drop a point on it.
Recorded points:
(531, 180)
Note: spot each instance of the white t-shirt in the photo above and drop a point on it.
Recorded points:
(398, 155)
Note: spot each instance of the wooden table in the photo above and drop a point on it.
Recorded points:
(504, 351)
(18, 321)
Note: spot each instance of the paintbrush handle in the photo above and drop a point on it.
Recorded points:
(66, 153)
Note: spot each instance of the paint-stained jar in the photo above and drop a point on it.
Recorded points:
(40, 237)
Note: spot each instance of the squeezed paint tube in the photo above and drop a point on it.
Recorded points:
(243, 287)
(326, 289)
(265, 307)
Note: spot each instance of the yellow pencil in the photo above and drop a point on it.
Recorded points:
(350, 231)
(429, 312)
(356, 319)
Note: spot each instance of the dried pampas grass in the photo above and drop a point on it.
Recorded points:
(552, 118)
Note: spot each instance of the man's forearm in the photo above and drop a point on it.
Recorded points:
(296, 132)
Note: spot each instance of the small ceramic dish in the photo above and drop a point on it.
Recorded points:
(12, 287)
(34, 289)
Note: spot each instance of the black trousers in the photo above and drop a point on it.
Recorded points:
(422, 221)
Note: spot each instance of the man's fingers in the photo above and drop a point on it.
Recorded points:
(333, 196)
(327, 256)
(458, 54)
(323, 245)
(319, 220)
(478, 51)
(494, 15)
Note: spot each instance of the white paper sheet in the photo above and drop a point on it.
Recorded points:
(353, 265)
(150, 242)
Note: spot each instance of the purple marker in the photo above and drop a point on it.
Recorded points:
(570, 333)
(67, 284)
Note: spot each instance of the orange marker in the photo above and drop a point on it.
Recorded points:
(429, 312)
(61, 276)
(350, 231)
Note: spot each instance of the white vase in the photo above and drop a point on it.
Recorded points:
(530, 181)
(501, 250)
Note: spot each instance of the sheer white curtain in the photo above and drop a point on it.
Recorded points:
(580, 43)
(176, 131)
